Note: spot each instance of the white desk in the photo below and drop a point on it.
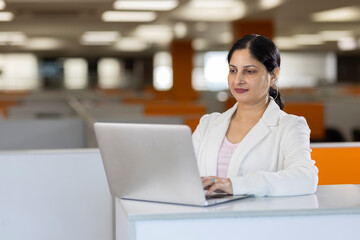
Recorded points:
(332, 213)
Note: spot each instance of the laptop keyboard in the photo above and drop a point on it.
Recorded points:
(215, 195)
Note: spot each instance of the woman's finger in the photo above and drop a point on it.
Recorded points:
(208, 181)
(223, 185)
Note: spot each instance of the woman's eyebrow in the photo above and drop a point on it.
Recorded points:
(250, 66)
(246, 66)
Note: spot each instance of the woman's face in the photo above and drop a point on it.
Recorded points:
(248, 78)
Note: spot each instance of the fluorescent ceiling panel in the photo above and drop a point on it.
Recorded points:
(347, 44)
(345, 14)
(154, 33)
(295, 41)
(162, 72)
(308, 39)
(99, 37)
(75, 73)
(268, 4)
(109, 73)
(335, 35)
(164, 5)
(43, 43)
(126, 16)
(213, 3)
(130, 44)
(25, 79)
(2, 5)
(162, 59)
(211, 11)
(6, 16)
(225, 37)
(200, 44)
(12, 38)
(180, 29)
(285, 43)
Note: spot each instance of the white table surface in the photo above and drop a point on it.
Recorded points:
(333, 211)
(329, 199)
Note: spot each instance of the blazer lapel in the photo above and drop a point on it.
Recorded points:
(215, 139)
(256, 134)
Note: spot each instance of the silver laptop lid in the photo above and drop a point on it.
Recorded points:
(152, 162)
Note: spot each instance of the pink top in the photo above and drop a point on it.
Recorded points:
(226, 150)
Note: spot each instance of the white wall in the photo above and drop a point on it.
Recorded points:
(110, 73)
(298, 69)
(19, 72)
(22, 134)
(307, 69)
(54, 195)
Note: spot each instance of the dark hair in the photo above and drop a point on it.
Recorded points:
(266, 52)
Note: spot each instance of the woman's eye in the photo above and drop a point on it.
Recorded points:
(249, 72)
(232, 71)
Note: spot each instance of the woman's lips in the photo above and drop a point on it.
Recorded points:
(241, 90)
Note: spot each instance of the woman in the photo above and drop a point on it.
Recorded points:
(255, 147)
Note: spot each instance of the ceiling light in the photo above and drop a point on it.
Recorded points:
(335, 35)
(12, 38)
(164, 5)
(347, 44)
(295, 41)
(268, 4)
(213, 3)
(43, 43)
(286, 43)
(199, 44)
(226, 37)
(75, 73)
(211, 11)
(131, 44)
(161, 34)
(123, 16)
(344, 14)
(99, 37)
(180, 30)
(6, 16)
(308, 39)
(2, 5)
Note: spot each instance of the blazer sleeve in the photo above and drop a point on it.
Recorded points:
(198, 134)
(298, 175)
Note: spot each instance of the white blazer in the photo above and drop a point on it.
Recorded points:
(272, 160)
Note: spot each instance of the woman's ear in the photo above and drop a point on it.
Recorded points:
(274, 75)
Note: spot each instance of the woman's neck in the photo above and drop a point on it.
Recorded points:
(253, 112)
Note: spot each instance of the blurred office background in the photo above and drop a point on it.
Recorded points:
(65, 64)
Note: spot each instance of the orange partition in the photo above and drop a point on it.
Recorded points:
(191, 112)
(314, 115)
(4, 105)
(182, 64)
(176, 108)
(312, 111)
(8, 99)
(192, 121)
(337, 165)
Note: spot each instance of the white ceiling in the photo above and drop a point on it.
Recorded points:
(66, 20)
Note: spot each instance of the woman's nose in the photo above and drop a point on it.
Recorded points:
(239, 79)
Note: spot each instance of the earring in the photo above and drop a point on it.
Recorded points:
(275, 88)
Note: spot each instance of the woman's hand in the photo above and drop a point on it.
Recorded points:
(217, 184)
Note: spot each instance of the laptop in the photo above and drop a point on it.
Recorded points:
(152, 162)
